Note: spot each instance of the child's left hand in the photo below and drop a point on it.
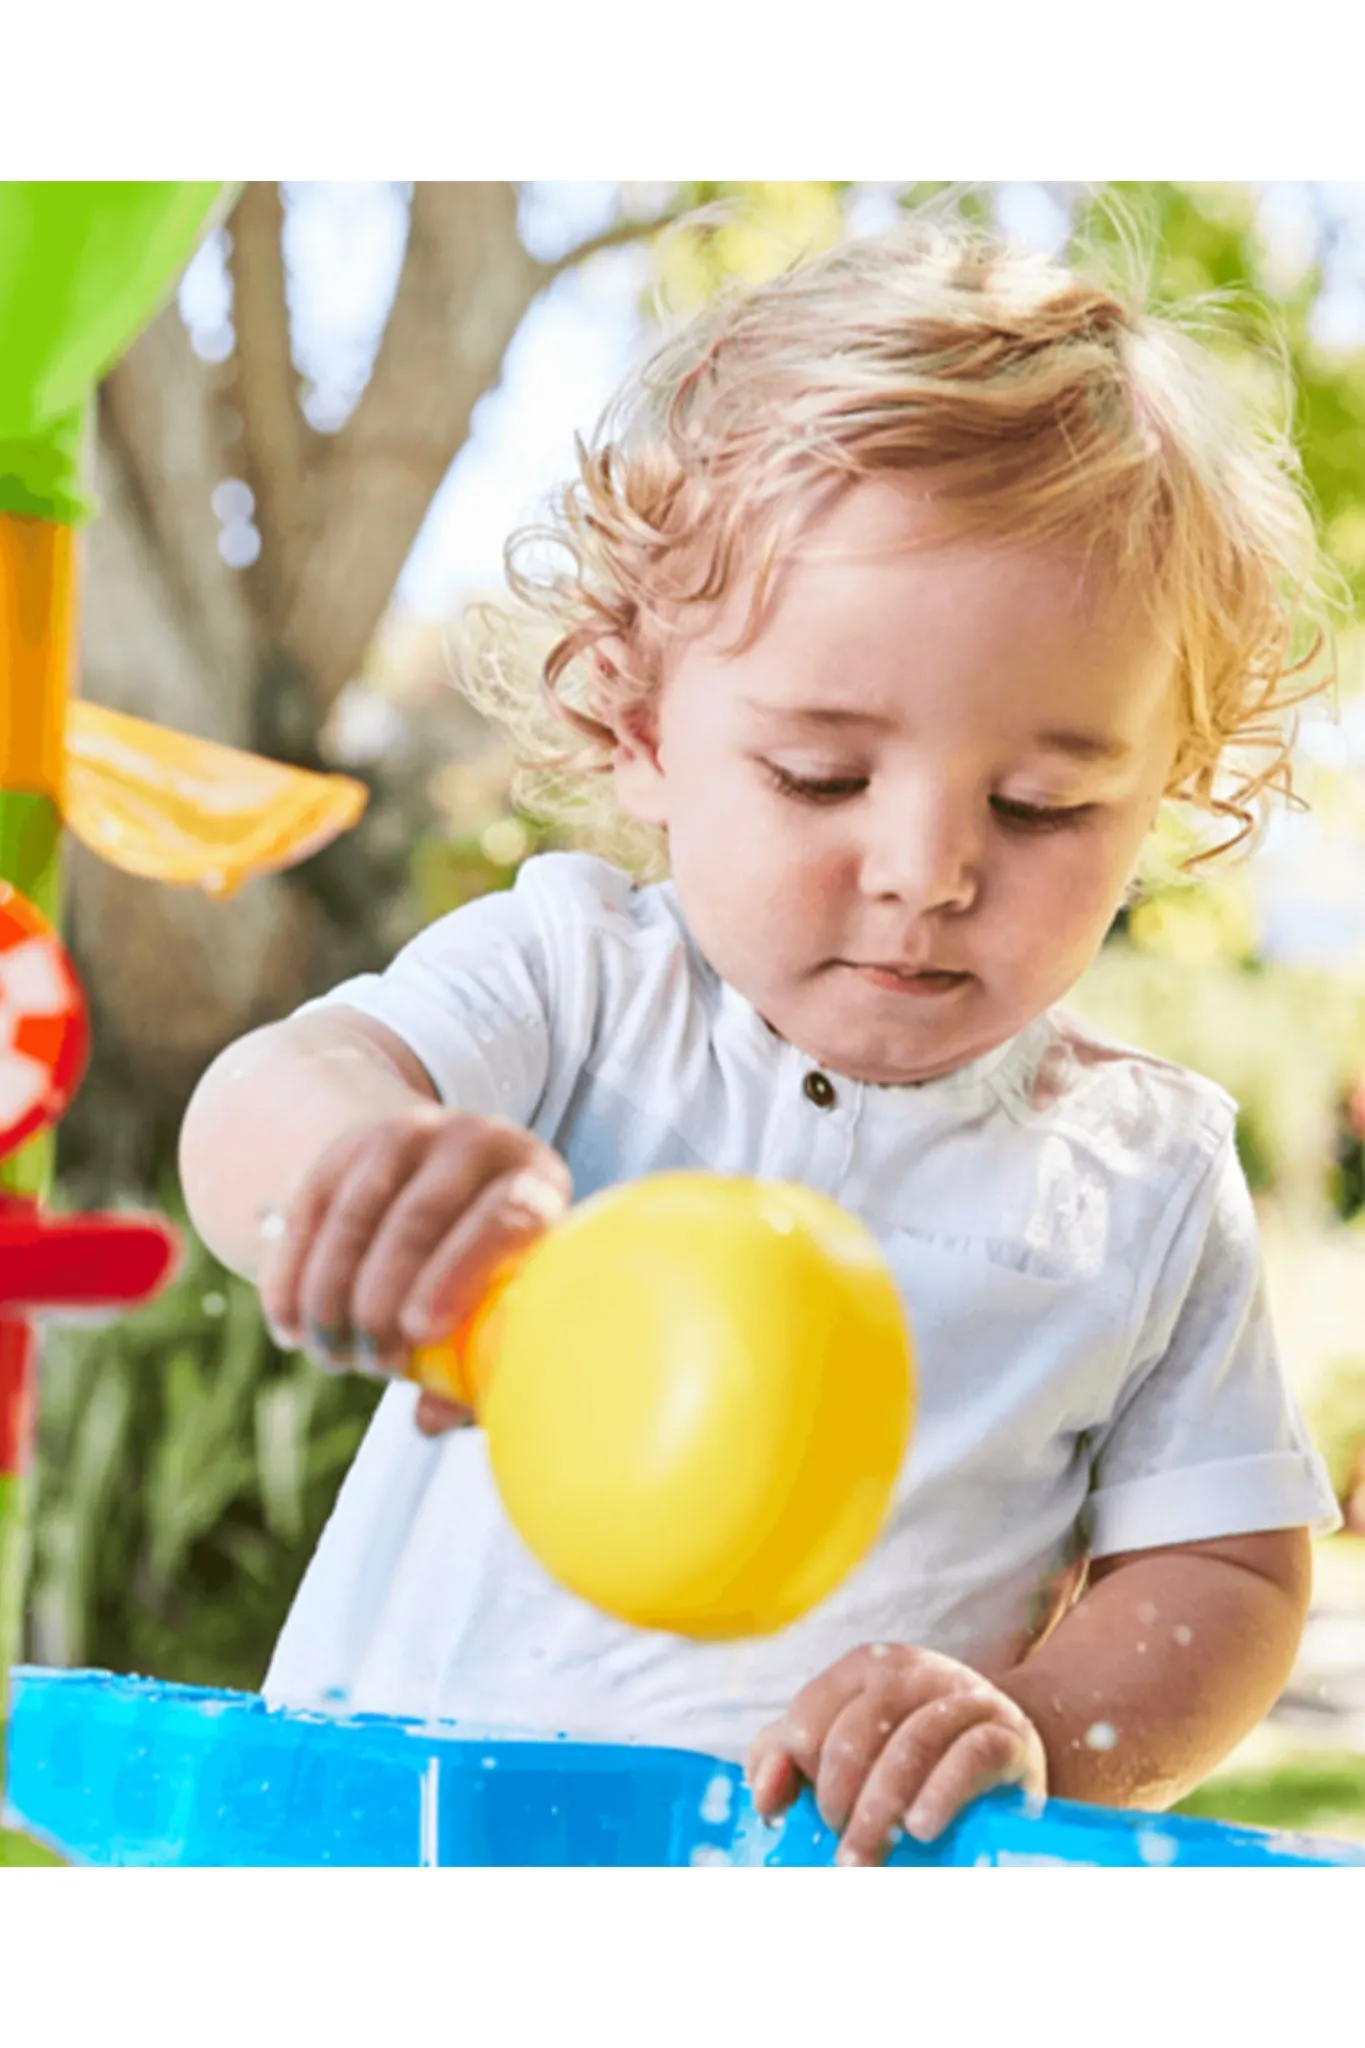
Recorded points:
(894, 1739)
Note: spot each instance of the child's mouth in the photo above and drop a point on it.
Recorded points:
(909, 981)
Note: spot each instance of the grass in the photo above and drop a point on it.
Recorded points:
(1312, 1793)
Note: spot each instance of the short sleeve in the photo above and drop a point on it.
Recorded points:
(473, 997)
(1207, 1441)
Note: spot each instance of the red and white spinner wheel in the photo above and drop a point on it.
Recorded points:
(44, 1028)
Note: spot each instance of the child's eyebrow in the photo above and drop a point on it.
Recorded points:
(1084, 746)
(1081, 746)
(819, 714)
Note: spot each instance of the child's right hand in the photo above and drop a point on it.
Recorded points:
(395, 1233)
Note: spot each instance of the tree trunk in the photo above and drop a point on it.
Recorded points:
(257, 657)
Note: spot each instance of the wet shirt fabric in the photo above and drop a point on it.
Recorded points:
(1073, 1240)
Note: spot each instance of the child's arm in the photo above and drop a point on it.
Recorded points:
(271, 1105)
(1167, 1660)
(390, 1210)
(1177, 1652)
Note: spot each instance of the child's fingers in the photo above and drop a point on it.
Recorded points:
(907, 1763)
(360, 1195)
(505, 1219)
(983, 1757)
(774, 1781)
(287, 1252)
(801, 1731)
(435, 1416)
(854, 1742)
(428, 1212)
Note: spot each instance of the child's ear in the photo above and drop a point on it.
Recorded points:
(637, 771)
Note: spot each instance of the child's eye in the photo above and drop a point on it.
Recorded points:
(815, 789)
(1039, 817)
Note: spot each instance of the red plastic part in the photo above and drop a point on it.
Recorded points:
(80, 1262)
(18, 1379)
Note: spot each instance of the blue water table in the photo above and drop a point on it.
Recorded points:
(128, 1771)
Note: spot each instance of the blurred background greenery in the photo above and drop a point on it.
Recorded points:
(305, 467)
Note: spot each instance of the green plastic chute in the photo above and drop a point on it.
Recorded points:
(84, 265)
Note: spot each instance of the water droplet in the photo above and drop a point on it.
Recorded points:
(1142, 1649)
(214, 1304)
(488, 1763)
(1101, 1735)
(879, 1650)
(1184, 1636)
(716, 1802)
(1147, 1613)
(1155, 1847)
(706, 1854)
(271, 1223)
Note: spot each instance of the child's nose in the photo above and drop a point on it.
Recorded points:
(928, 857)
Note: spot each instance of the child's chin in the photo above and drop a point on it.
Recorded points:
(905, 1056)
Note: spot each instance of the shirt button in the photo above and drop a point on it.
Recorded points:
(819, 1089)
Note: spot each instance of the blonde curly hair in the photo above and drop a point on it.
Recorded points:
(1051, 406)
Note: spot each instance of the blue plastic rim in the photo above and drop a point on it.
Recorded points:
(128, 1771)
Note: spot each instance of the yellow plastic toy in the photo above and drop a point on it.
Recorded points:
(698, 1394)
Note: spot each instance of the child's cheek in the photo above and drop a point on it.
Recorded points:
(1085, 886)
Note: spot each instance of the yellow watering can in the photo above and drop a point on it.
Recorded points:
(698, 1394)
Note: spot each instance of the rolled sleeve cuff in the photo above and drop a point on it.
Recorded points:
(1198, 1503)
(458, 1067)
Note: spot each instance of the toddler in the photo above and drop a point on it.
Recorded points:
(892, 603)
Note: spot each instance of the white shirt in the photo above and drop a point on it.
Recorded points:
(1075, 1246)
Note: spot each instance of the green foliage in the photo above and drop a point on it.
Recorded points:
(747, 232)
(1338, 1421)
(185, 1470)
(1237, 1027)
(1311, 1794)
(1206, 240)
(447, 872)
(23, 1852)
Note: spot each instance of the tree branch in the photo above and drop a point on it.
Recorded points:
(619, 235)
(465, 285)
(262, 383)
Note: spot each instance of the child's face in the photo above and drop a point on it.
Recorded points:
(900, 822)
